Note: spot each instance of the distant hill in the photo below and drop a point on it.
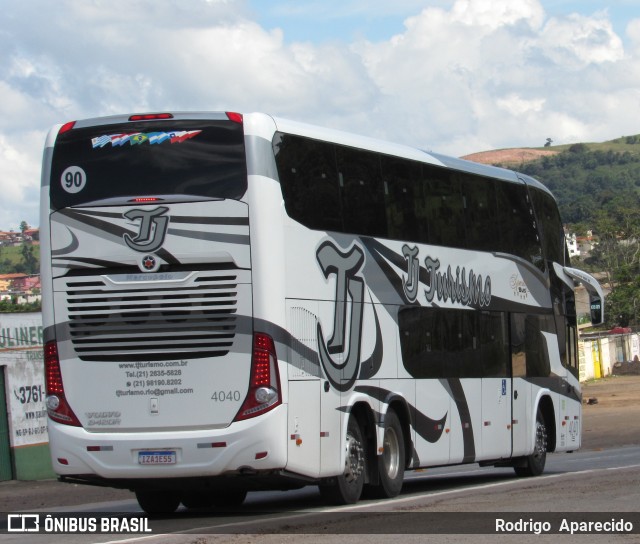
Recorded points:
(586, 178)
(512, 157)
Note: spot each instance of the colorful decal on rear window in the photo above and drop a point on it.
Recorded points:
(137, 138)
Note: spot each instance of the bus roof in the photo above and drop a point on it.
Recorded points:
(345, 138)
(405, 151)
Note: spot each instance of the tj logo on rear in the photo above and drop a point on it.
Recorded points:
(153, 229)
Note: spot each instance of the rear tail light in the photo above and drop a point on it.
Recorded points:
(235, 117)
(66, 127)
(57, 406)
(264, 386)
(150, 116)
(145, 199)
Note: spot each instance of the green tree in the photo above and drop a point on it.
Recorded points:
(622, 305)
(618, 228)
(618, 256)
(29, 260)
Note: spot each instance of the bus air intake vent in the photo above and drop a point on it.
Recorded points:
(147, 323)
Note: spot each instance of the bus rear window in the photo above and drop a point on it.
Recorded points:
(182, 158)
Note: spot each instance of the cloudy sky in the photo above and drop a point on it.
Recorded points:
(455, 76)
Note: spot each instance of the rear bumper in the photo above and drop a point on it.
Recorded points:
(245, 447)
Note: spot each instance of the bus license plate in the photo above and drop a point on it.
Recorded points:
(165, 457)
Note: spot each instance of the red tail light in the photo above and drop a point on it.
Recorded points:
(235, 117)
(150, 116)
(66, 127)
(145, 199)
(264, 386)
(57, 406)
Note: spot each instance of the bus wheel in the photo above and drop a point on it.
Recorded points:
(391, 462)
(534, 463)
(158, 501)
(347, 488)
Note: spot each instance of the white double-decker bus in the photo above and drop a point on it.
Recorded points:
(239, 302)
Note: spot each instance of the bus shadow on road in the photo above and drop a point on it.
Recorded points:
(309, 498)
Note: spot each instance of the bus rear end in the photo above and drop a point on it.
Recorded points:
(156, 379)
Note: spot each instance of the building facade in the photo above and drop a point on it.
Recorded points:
(24, 443)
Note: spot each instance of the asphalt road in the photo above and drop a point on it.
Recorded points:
(454, 499)
(437, 505)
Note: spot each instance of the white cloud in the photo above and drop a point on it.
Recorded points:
(494, 14)
(577, 41)
(20, 178)
(516, 105)
(503, 73)
(465, 76)
(633, 32)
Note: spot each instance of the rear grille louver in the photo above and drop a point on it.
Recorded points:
(130, 322)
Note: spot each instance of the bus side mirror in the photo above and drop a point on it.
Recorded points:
(596, 296)
(596, 310)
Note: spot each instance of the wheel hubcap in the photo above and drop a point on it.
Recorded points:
(391, 453)
(354, 465)
(541, 440)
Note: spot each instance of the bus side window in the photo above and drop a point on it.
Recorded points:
(518, 351)
(448, 343)
(363, 206)
(420, 343)
(405, 198)
(307, 172)
(529, 354)
(492, 340)
(480, 212)
(444, 208)
(551, 225)
(572, 350)
(517, 224)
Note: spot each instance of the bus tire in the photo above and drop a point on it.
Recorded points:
(347, 488)
(534, 463)
(391, 462)
(156, 502)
